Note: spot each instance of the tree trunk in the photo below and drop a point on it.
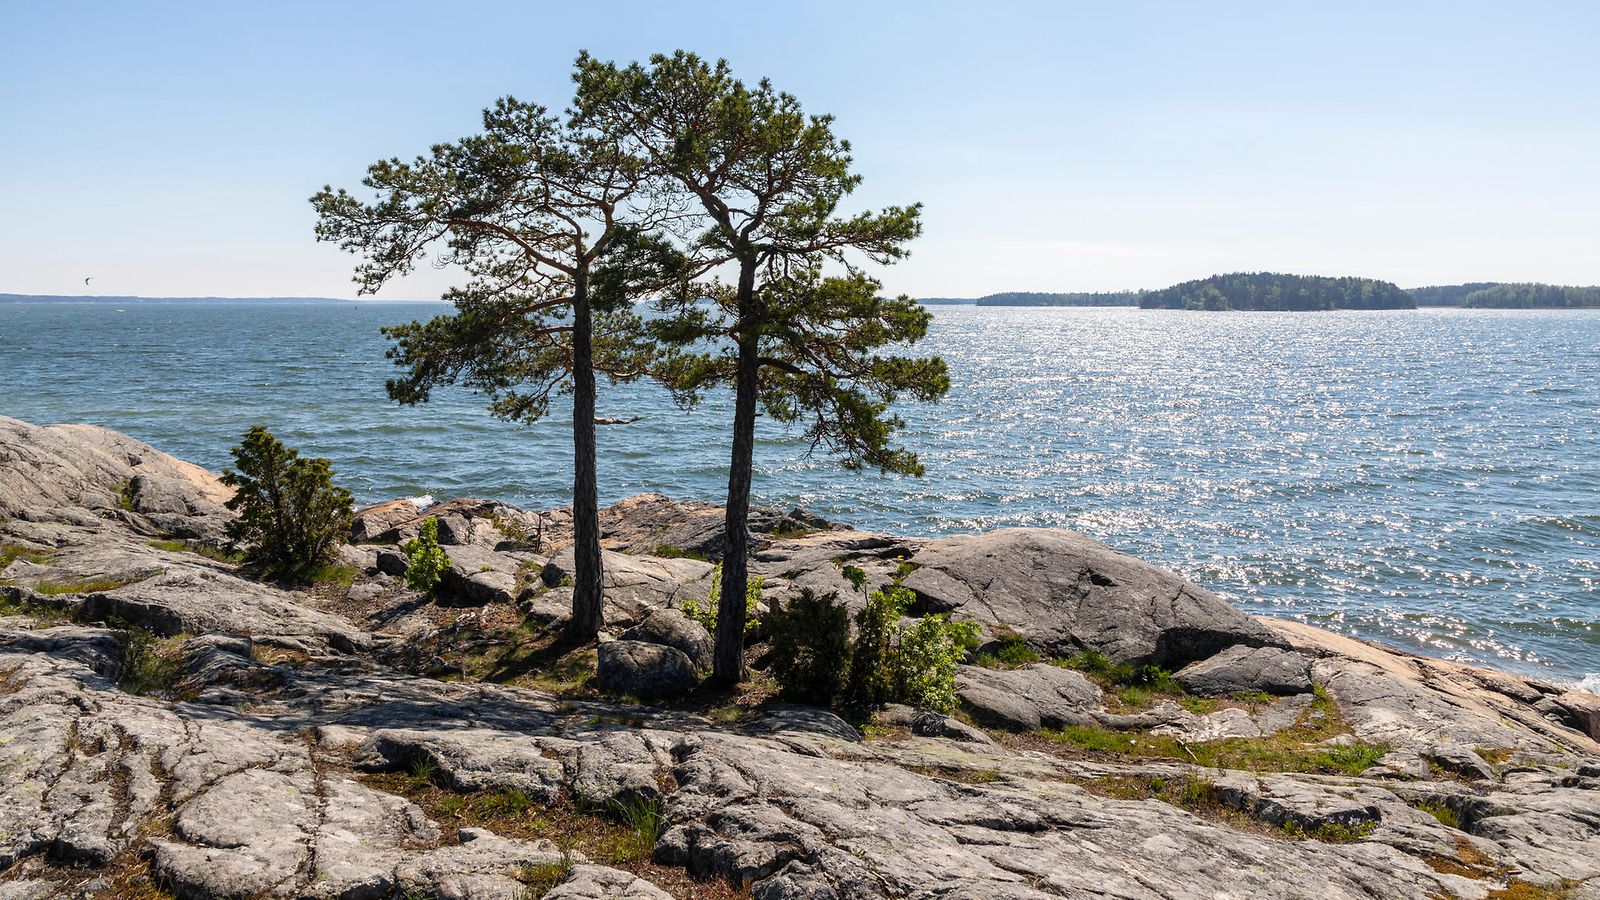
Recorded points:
(588, 602)
(728, 659)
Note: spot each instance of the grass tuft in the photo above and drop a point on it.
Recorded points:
(86, 585)
(151, 665)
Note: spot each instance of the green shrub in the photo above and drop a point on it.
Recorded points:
(428, 560)
(705, 611)
(811, 648)
(151, 665)
(291, 515)
(1010, 653)
(872, 671)
(926, 659)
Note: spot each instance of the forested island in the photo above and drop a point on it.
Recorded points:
(1500, 295)
(1533, 296)
(1447, 294)
(1272, 291)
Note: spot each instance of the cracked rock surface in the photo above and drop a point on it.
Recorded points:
(301, 747)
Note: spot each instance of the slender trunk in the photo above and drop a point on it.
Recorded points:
(728, 660)
(588, 602)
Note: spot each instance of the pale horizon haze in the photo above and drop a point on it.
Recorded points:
(168, 149)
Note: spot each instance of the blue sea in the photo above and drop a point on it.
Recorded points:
(1427, 478)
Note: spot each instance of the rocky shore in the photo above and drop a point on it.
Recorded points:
(168, 727)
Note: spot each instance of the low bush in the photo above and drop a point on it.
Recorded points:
(811, 648)
(428, 561)
(872, 671)
(888, 662)
(705, 611)
(926, 658)
(291, 515)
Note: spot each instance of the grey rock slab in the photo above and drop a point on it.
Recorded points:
(589, 882)
(370, 522)
(635, 585)
(1243, 668)
(645, 523)
(1220, 725)
(1463, 761)
(1034, 696)
(672, 628)
(1063, 591)
(199, 601)
(50, 471)
(644, 670)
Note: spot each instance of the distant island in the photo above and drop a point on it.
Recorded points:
(73, 298)
(1504, 295)
(1271, 291)
(1447, 294)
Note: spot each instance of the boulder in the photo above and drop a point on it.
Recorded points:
(392, 562)
(587, 882)
(56, 471)
(479, 575)
(1040, 695)
(644, 670)
(674, 629)
(197, 601)
(1063, 591)
(633, 585)
(367, 524)
(1243, 668)
(1580, 710)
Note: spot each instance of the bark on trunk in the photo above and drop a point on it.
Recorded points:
(588, 602)
(728, 658)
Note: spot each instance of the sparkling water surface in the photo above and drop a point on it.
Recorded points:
(1429, 478)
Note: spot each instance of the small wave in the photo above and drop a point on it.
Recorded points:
(423, 501)
(1590, 683)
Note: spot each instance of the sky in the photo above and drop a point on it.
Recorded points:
(168, 149)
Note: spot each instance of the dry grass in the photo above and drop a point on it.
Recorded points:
(623, 837)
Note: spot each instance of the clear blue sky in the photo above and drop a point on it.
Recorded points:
(170, 148)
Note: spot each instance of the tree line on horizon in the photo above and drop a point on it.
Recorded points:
(1275, 291)
(675, 184)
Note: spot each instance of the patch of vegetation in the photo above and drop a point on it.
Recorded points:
(340, 576)
(668, 551)
(1298, 748)
(1126, 686)
(428, 559)
(926, 658)
(205, 550)
(150, 665)
(621, 834)
(1469, 862)
(888, 662)
(1446, 814)
(1495, 756)
(1517, 889)
(10, 553)
(291, 515)
(811, 648)
(905, 568)
(125, 496)
(1331, 832)
(705, 611)
(14, 605)
(86, 585)
(540, 879)
(1011, 653)
(276, 656)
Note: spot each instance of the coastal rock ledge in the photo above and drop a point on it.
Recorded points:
(170, 727)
